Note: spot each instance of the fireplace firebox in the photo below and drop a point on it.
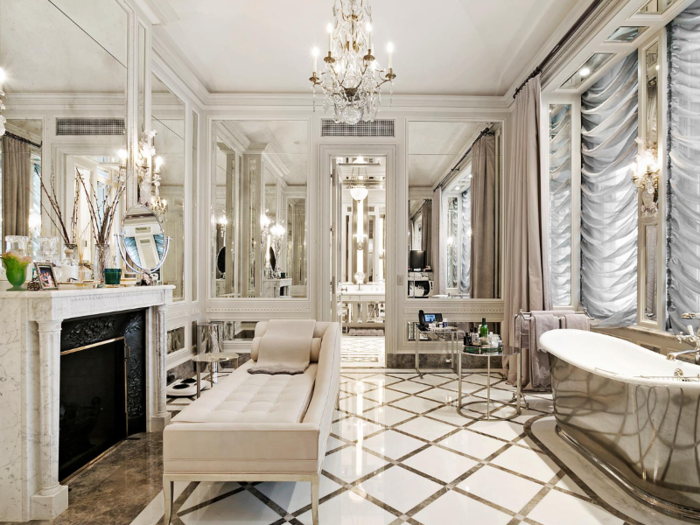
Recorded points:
(102, 387)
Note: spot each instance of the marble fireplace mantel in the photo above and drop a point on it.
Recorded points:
(30, 339)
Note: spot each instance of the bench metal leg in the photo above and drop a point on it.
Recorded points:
(315, 483)
(168, 494)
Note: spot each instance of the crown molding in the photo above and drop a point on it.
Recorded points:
(304, 102)
(170, 59)
(157, 11)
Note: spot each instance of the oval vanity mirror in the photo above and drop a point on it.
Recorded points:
(142, 242)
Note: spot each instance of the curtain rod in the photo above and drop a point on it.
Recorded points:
(486, 131)
(22, 139)
(570, 33)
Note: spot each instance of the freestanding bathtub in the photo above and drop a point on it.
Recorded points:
(628, 411)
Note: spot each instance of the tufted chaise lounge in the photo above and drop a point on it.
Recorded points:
(258, 427)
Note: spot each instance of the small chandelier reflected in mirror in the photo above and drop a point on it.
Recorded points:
(352, 79)
(359, 193)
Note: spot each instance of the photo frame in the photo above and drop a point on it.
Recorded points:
(46, 276)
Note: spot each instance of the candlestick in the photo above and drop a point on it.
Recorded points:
(330, 38)
(390, 49)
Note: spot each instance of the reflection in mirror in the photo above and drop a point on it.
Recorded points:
(58, 49)
(20, 158)
(454, 217)
(656, 7)
(168, 120)
(360, 184)
(195, 222)
(259, 209)
(650, 236)
(143, 242)
(650, 221)
(652, 104)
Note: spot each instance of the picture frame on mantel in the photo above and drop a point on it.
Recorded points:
(47, 278)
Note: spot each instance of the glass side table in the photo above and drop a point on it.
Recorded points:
(213, 359)
(487, 353)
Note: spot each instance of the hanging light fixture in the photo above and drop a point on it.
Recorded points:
(352, 79)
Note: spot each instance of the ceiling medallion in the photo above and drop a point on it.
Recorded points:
(352, 78)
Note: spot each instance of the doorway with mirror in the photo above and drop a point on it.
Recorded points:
(359, 259)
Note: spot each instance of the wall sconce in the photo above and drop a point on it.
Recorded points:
(645, 175)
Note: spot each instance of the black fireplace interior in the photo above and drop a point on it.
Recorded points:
(103, 386)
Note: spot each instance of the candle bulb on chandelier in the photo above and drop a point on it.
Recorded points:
(314, 53)
(3, 77)
(329, 28)
(369, 37)
(390, 49)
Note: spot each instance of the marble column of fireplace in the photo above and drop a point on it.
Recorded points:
(30, 344)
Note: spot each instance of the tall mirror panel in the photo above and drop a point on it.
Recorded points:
(259, 209)
(454, 176)
(62, 50)
(168, 121)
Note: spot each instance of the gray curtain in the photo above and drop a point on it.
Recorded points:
(484, 266)
(609, 197)
(16, 186)
(526, 259)
(683, 240)
(465, 277)
(440, 269)
(560, 203)
(427, 234)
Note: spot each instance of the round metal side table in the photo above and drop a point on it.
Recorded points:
(488, 353)
(213, 359)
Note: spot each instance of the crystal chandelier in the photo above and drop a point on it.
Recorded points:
(352, 79)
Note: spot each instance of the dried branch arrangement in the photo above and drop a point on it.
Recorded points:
(102, 227)
(69, 232)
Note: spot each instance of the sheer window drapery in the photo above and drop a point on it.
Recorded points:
(466, 241)
(560, 203)
(683, 240)
(609, 217)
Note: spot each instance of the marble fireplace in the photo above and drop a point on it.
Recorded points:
(31, 343)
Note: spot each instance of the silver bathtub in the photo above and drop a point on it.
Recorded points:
(632, 413)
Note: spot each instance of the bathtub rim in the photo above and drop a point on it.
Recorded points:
(551, 347)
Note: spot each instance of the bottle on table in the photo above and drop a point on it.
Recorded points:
(484, 331)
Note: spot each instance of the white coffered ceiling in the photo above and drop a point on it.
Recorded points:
(448, 47)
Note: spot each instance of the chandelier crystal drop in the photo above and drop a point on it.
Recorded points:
(352, 79)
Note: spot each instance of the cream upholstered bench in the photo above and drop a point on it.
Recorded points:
(258, 427)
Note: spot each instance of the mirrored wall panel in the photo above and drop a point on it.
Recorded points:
(62, 50)
(454, 216)
(168, 121)
(259, 209)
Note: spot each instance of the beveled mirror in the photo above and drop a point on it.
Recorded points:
(142, 242)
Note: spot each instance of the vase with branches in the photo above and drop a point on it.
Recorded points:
(102, 213)
(67, 228)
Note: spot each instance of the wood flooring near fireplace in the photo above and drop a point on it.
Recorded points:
(398, 453)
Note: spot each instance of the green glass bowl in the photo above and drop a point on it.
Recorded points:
(113, 275)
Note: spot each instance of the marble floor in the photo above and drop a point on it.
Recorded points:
(363, 352)
(398, 453)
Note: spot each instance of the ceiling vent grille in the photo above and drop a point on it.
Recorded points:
(378, 128)
(90, 126)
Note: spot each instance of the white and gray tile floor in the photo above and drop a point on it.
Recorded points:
(399, 453)
(363, 351)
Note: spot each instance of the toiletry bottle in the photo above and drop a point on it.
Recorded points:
(483, 331)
